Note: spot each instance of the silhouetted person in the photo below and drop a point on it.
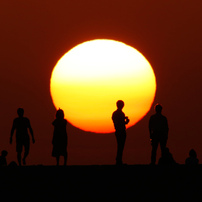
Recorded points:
(158, 128)
(21, 125)
(13, 164)
(192, 159)
(60, 137)
(120, 120)
(167, 158)
(3, 161)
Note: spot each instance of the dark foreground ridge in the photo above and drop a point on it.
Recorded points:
(102, 183)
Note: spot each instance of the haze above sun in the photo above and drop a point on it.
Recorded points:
(87, 81)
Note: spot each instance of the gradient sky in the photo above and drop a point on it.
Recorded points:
(36, 33)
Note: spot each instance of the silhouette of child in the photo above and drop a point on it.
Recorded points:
(59, 137)
(192, 159)
(3, 161)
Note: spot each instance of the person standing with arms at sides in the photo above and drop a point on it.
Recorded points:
(59, 137)
(21, 124)
(158, 129)
(120, 120)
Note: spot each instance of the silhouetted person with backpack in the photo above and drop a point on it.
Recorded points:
(120, 120)
(21, 125)
(158, 129)
(192, 159)
(59, 137)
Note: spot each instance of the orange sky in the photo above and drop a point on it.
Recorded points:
(35, 34)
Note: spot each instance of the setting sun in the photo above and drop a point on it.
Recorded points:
(88, 80)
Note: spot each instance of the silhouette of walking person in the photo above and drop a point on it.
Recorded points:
(120, 120)
(21, 124)
(3, 161)
(59, 137)
(158, 129)
(192, 159)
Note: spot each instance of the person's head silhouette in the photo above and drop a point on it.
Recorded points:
(120, 104)
(59, 114)
(20, 112)
(158, 108)
(192, 153)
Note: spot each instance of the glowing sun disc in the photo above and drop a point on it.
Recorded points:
(88, 80)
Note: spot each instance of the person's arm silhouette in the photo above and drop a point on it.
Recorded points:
(12, 132)
(31, 132)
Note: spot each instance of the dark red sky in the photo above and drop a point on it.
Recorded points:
(35, 34)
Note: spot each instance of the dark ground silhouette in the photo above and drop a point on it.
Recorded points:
(102, 183)
(120, 120)
(21, 124)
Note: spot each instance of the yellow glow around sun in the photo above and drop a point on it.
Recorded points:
(88, 80)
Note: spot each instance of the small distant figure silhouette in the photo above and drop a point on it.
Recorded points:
(60, 137)
(120, 120)
(12, 164)
(21, 124)
(158, 129)
(3, 161)
(166, 158)
(192, 159)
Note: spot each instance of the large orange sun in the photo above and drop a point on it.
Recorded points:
(88, 80)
